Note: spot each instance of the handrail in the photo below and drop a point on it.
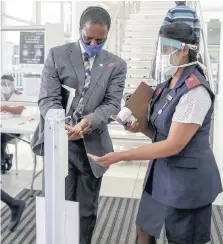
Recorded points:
(122, 12)
(208, 60)
(197, 6)
(111, 31)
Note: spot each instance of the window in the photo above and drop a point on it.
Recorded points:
(50, 12)
(67, 17)
(19, 15)
(213, 32)
(10, 50)
(10, 55)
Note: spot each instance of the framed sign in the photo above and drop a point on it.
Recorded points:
(32, 48)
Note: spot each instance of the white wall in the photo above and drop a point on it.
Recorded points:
(212, 5)
(54, 36)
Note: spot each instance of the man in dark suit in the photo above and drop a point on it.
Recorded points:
(88, 82)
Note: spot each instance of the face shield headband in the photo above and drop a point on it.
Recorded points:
(167, 60)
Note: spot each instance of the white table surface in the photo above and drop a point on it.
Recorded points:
(21, 100)
(19, 124)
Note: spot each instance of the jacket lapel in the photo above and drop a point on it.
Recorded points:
(158, 92)
(77, 64)
(96, 72)
(187, 72)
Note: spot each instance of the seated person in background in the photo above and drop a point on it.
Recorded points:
(7, 89)
(17, 208)
(185, 14)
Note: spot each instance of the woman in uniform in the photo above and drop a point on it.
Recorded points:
(182, 179)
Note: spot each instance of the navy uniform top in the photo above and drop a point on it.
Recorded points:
(191, 178)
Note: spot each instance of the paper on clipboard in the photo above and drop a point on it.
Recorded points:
(124, 117)
(138, 103)
(72, 93)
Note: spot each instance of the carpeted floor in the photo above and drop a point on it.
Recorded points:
(115, 224)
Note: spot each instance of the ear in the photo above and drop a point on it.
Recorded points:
(185, 51)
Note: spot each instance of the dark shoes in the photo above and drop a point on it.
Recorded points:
(6, 164)
(9, 161)
(16, 214)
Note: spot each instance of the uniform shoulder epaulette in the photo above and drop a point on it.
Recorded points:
(192, 81)
(157, 92)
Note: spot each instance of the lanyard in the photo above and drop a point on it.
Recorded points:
(167, 101)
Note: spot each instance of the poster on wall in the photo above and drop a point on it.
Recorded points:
(32, 47)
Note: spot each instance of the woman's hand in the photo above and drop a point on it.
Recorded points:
(133, 127)
(107, 160)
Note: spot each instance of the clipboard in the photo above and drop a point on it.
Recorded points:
(138, 104)
(72, 93)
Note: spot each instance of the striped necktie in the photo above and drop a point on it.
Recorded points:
(78, 112)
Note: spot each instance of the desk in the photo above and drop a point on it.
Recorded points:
(25, 125)
(21, 100)
(19, 125)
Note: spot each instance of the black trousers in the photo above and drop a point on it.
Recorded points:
(4, 140)
(82, 186)
(7, 199)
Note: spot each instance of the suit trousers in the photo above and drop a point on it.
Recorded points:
(83, 187)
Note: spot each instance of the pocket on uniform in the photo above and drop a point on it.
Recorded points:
(184, 162)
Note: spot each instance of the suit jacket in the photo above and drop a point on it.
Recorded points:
(63, 72)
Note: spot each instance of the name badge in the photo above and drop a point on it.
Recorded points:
(168, 100)
(160, 111)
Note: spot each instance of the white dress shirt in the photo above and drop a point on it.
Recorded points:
(91, 60)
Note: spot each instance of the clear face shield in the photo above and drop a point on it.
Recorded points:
(7, 88)
(170, 56)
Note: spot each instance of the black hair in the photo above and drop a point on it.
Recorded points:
(95, 15)
(193, 58)
(7, 77)
(184, 33)
(179, 31)
(180, 2)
